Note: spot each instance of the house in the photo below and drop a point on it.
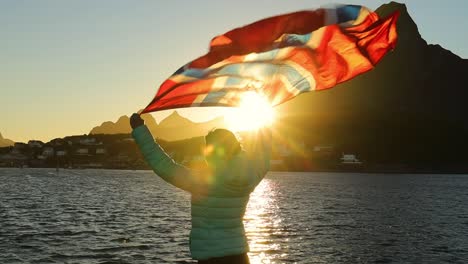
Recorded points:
(323, 148)
(57, 142)
(35, 144)
(87, 141)
(349, 159)
(82, 151)
(61, 153)
(101, 151)
(73, 140)
(19, 147)
(48, 151)
(13, 159)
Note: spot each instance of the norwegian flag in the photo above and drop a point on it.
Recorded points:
(281, 57)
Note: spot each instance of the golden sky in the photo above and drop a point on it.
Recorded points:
(69, 66)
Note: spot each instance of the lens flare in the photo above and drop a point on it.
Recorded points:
(253, 112)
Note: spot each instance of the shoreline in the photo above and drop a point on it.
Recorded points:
(352, 171)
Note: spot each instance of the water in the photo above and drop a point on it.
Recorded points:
(111, 216)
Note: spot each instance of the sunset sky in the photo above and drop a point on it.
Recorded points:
(67, 66)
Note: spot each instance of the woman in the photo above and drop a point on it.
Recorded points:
(220, 195)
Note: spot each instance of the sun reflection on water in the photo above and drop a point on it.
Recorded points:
(262, 220)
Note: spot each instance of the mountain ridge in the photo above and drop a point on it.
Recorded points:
(173, 127)
(413, 100)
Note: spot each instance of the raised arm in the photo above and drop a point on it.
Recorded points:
(162, 164)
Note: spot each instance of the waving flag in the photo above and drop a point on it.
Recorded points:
(281, 57)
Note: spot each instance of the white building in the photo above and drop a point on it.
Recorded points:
(349, 159)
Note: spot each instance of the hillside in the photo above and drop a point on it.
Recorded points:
(5, 142)
(409, 110)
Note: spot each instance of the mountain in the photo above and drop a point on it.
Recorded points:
(173, 127)
(122, 126)
(176, 127)
(5, 142)
(175, 120)
(409, 110)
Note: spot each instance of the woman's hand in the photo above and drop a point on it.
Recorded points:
(136, 121)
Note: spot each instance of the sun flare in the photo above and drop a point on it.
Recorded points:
(253, 112)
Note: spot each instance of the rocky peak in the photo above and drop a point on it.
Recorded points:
(408, 32)
(123, 119)
(121, 126)
(175, 119)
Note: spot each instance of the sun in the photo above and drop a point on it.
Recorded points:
(253, 112)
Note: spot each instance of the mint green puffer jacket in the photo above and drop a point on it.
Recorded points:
(218, 200)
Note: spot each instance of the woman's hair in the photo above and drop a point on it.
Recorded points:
(224, 139)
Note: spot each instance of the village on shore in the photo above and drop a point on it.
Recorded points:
(119, 151)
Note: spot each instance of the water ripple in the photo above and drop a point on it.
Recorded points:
(111, 216)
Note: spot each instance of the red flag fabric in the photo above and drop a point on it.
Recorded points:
(281, 57)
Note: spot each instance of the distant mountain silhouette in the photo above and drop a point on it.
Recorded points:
(122, 126)
(176, 127)
(173, 127)
(5, 142)
(410, 109)
(175, 120)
